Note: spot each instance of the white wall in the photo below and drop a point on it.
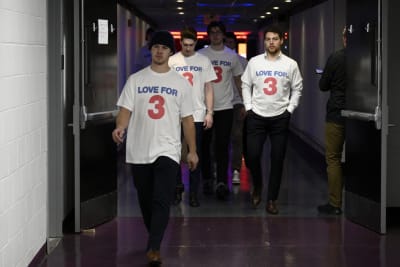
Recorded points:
(23, 130)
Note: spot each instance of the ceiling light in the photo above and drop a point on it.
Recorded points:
(179, 1)
(179, 8)
(268, 13)
(181, 13)
(276, 7)
(262, 16)
(288, 1)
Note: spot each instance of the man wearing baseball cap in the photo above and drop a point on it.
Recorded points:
(153, 103)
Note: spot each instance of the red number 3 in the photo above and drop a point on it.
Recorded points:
(271, 86)
(218, 72)
(188, 76)
(158, 111)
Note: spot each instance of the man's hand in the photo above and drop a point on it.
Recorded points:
(192, 160)
(208, 121)
(118, 135)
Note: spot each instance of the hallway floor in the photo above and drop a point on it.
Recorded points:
(232, 233)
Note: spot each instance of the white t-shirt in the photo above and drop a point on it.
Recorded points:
(271, 87)
(157, 101)
(226, 65)
(197, 69)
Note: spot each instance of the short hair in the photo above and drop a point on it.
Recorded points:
(275, 29)
(231, 35)
(189, 33)
(218, 24)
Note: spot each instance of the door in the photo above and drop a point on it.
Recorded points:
(391, 96)
(95, 96)
(365, 179)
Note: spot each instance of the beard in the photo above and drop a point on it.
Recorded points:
(273, 50)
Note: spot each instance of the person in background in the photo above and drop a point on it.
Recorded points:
(271, 87)
(239, 114)
(153, 104)
(197, 69)
(333, 79)
(228, 70)
(143, 57)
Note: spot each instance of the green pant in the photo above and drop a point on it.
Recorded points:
(334, 138)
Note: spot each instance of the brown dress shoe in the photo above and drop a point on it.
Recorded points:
(255, 198)
(154, 258)
(271, 207)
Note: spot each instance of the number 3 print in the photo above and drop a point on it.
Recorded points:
(158, 111)
(271, 86)
(218, 72)
(188, 76)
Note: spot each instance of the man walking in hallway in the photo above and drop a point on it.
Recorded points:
(271, 87)
(228, 70)
(198, 70)
(239, 114)
(153, 104)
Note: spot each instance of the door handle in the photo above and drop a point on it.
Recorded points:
(102, 115)
(364, 116)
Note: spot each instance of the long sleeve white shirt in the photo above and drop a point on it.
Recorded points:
(270, 87)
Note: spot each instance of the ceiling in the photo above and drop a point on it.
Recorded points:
(237, 15)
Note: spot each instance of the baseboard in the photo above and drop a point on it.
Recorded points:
(39, 257)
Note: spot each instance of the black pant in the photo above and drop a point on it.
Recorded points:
(155, 184)
(257, 130)
(222, 127)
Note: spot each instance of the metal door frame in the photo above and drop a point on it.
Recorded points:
(384, 111)
(78, 50)
(56, 122)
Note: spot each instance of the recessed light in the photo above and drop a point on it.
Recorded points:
(181, 13)
(276, 7)
(268, 13)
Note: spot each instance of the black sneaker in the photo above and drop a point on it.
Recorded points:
(178, 195)
(222, 191)
(328, 209)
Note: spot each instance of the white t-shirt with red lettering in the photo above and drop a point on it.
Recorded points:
(226, 65)
(197, 69)
(157, 101)
(270, 87)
